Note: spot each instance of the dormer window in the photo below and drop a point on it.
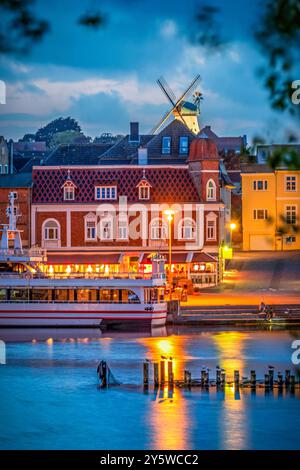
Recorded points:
(183, 145)
(144, 192)
(166, 146)
(211, 190)
(105, 192)
(69, 193)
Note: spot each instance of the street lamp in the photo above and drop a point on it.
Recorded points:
(232, 227)
(170, 214)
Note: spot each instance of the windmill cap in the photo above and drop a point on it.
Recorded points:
(203, 149)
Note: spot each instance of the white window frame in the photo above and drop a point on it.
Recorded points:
(187, 224)
(255, 185)
(166, 149)
(288, 177)
(183, 139)
(55, 227)
(105, 193)
(146, 188)
(255, 214)
(211, 190)
(290, 211)
(159, 229)
(211, 229)
(104, 230)
(123, 229)
(69, 190)
(89, 229)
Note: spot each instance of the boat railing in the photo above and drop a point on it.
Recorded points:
(90, 276)
(34, 252)
(29, 301)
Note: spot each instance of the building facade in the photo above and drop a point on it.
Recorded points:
(270, 208)
(112, 218)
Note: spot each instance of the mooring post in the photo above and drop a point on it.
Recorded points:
(223, 379)
(206, 380)
(170, 372)
(271, 377)
(155, 374)
(253, 378)
(287, 378)
(292, 383)
(203, 377)
(267, 381)
(104, 374)
(236, 378)
(162, 372)
(146, 373)
(218, 377)
(189, 378)
(280, 380)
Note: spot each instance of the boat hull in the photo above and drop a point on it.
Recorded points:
(91, 315)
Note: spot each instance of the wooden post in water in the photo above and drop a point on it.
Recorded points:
(223, 379)
(267, 381)
(287, 378)
(280, 380)
(162, 372)
(146, 373)
(185, 377)
(155, 374)
(104, 377)
(292, 383)
(218, 377)
(206, 381)
(202, 377)
(236, 378)
(271, 377)
(170, 373)
(253, 378)
(189, 378)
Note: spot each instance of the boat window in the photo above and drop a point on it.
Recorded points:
(2, 294)
(61, 295)
(41, 295)
(19, 294)
(87, 295)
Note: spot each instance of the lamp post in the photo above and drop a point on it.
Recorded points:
(232, 228)
(170, 213)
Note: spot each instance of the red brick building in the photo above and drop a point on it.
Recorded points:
(111, 218)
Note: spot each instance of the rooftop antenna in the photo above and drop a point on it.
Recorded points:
(176, 104)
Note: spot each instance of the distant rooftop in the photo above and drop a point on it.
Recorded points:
(17, 180)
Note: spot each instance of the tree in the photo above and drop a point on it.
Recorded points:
(28, 138)
(46, 133)
(68, 137)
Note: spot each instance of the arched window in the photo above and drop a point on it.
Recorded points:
(186, 229)
(159, 229)
(51, 233)
(211, 190)
(106, 229)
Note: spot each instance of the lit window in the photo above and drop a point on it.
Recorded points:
(166, 146)
(291, 215)
(105, 192)
(159, 230)
(187, 229)
(144, 192)
(260, 185)
(183, 145)
(69, 193)
(211, 190)
(211, 230)
(260, 214)
(290, 183)
(90, 230)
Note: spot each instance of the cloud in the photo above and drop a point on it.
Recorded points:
(168, 29)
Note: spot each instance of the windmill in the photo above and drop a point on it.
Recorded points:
(186, 111)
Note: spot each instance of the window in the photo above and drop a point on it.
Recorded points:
(106, 192)
(0, 169)
(106, 231)
(144, 192)
(69, 193)
(211, 190)
(90, 230)
(123, 230)
(260, 214)
(291, 215)
(183, 145)
(159, 229)
(260, 185)
(290, 183)
(5, 169)
(166, 146)
(211, 230)
(187, 229)
(51, 230)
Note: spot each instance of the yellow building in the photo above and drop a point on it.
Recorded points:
(270, 208)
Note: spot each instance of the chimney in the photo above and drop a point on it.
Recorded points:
(143, 156)
(134, 132)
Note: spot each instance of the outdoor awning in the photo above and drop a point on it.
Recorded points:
(177, 258)
(83, 258)
(203, 258)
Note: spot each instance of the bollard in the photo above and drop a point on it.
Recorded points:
(253, 378)
(271, 377)
(146, 374)
(218, 377)
(162, 372)
(267, 381)
(287, 378)
(155, 373)
(280, 380)
(170, 373)
(202, 377)
(223, 379)
(236, 378)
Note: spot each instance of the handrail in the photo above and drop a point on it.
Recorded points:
(130, 275)
(28, 301)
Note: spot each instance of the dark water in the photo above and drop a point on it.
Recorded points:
(49, 397)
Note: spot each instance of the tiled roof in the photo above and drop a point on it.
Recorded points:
(123, 150)
(168, 184)
(77, 154)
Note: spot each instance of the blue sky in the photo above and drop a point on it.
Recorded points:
(106, 78)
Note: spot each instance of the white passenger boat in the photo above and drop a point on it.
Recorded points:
(31, 298)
